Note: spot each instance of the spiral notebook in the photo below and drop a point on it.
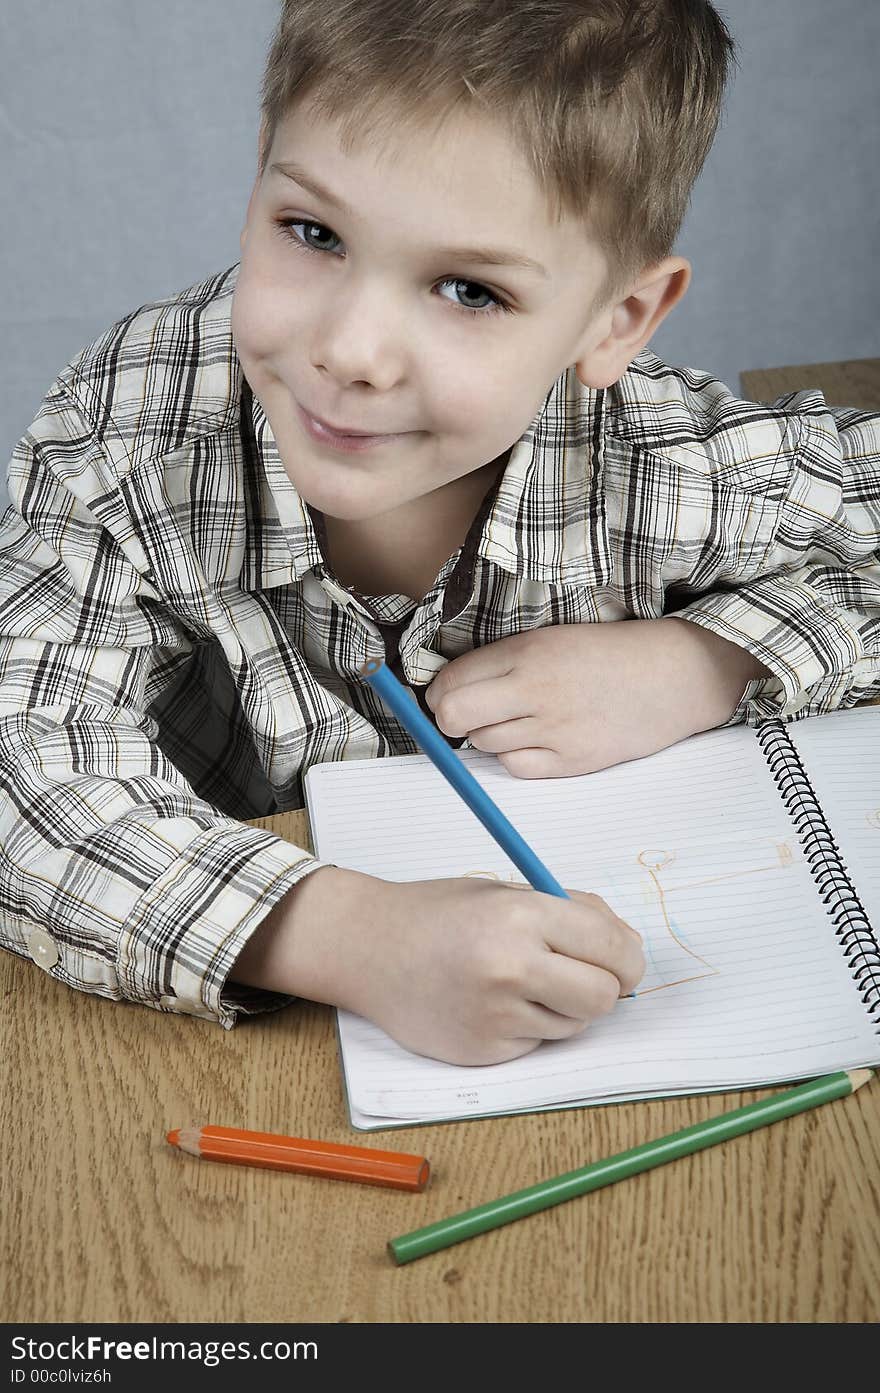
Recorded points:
(749, 860)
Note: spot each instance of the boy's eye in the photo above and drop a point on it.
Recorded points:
(308, 241)
(471, 290)
(325, 235)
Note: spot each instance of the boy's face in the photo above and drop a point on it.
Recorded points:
(368, 310)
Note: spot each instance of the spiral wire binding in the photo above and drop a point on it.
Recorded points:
(827, 866)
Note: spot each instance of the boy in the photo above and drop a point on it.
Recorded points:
(418, 420)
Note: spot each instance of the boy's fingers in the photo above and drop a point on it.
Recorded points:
(601, 940)
(596, 902)
(592, 901)
(574, 993)
(552, 1025)
(479, 665)
(503, 737)
(486, 701)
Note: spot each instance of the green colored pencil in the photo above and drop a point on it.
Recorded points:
(626, 1163)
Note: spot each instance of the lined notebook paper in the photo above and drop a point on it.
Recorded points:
(748, 860)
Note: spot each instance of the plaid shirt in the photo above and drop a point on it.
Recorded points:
(175, 652)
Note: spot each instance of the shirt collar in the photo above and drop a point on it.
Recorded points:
(286, 543)
(547, 522)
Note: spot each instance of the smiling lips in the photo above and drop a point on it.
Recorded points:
(325, 434)
(342, 430)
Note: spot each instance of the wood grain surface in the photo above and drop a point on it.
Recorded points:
(855, 382)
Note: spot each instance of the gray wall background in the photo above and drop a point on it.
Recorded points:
(128, 147)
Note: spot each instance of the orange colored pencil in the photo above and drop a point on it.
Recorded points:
(329, 1159)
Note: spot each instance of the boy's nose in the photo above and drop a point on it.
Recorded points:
(360, 340)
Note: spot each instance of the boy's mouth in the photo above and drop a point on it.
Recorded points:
(338, 438)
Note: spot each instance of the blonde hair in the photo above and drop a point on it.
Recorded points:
(614, 103)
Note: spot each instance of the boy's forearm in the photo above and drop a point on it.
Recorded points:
(299, 948)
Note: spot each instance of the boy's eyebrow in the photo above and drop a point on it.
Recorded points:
(485, 256)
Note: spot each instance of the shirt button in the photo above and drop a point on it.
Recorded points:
(342, 597)
(799, 700)
(43, 949)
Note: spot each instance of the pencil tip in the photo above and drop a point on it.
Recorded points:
(173, 1138)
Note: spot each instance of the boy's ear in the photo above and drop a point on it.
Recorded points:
(632, 321)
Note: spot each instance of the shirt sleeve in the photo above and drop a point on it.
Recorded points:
(114, 875)
(812, 615)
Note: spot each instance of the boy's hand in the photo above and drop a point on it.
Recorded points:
(471, 971)
(577, 697)
(475, 971)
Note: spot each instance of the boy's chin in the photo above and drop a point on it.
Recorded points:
(353, 507)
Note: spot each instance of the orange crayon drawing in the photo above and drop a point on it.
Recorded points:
(672, 960)
(654, 862)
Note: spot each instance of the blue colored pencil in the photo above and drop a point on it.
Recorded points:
(398, 700)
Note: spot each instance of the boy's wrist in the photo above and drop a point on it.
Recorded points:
(721, 672)
(300, 948)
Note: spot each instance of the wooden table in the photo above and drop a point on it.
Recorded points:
(103, 1221)
(855, 382)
